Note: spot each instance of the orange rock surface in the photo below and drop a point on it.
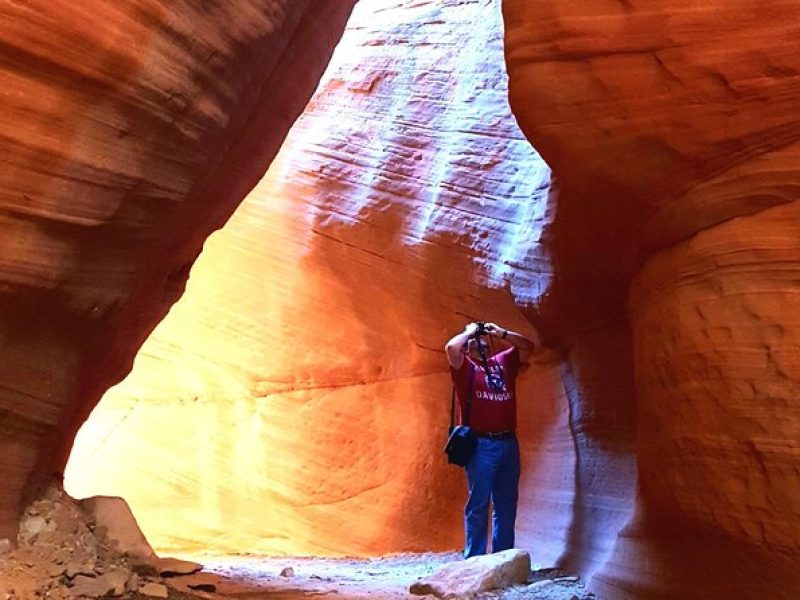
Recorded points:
(296, 400)
(131, 131)
(672, 129)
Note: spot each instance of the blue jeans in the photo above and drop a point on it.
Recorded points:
(492, 476)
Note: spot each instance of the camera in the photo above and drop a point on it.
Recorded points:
(494, 378)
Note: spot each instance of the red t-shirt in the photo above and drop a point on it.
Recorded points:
(492, 409)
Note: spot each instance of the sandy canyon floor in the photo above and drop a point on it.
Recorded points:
(65, 552)
(251, 577)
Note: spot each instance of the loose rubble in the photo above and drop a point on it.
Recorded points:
(68, 549)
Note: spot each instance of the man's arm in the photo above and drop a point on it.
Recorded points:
(525, 345)
(456, 348)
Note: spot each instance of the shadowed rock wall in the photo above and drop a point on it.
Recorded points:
(131, 132)
(673, 130)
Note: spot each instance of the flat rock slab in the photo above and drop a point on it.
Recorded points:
(463, 580)
(204, 582)
(109, 584)
(154, 590)
(173, 567)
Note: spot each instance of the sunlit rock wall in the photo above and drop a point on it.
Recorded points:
(296, 400)
(130, 131)
(673, 129)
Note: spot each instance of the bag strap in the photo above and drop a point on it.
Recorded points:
(487, 367)
(469, 399)
(453, 408)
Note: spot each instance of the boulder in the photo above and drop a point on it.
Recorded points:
(116, 517)
(31, 527)
(464, 579)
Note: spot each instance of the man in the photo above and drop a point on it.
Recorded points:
(489, 379)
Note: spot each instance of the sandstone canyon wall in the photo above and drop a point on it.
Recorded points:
(130, 131)
(296, 399)
(672, 127)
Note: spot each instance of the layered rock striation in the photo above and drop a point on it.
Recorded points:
(132, 130)
(672, 129)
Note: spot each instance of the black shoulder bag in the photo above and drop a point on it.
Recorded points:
(462, 440)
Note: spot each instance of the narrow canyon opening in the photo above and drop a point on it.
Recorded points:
(295, 399)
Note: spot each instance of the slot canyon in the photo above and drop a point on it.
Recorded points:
(237, 236)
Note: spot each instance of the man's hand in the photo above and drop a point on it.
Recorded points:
(494, 329)
(456, 348)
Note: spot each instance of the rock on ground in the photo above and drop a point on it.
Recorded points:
(93, 548)
(463, 580)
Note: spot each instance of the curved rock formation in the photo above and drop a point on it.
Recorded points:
(676, 150)
(132, 131)
(303, 371)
